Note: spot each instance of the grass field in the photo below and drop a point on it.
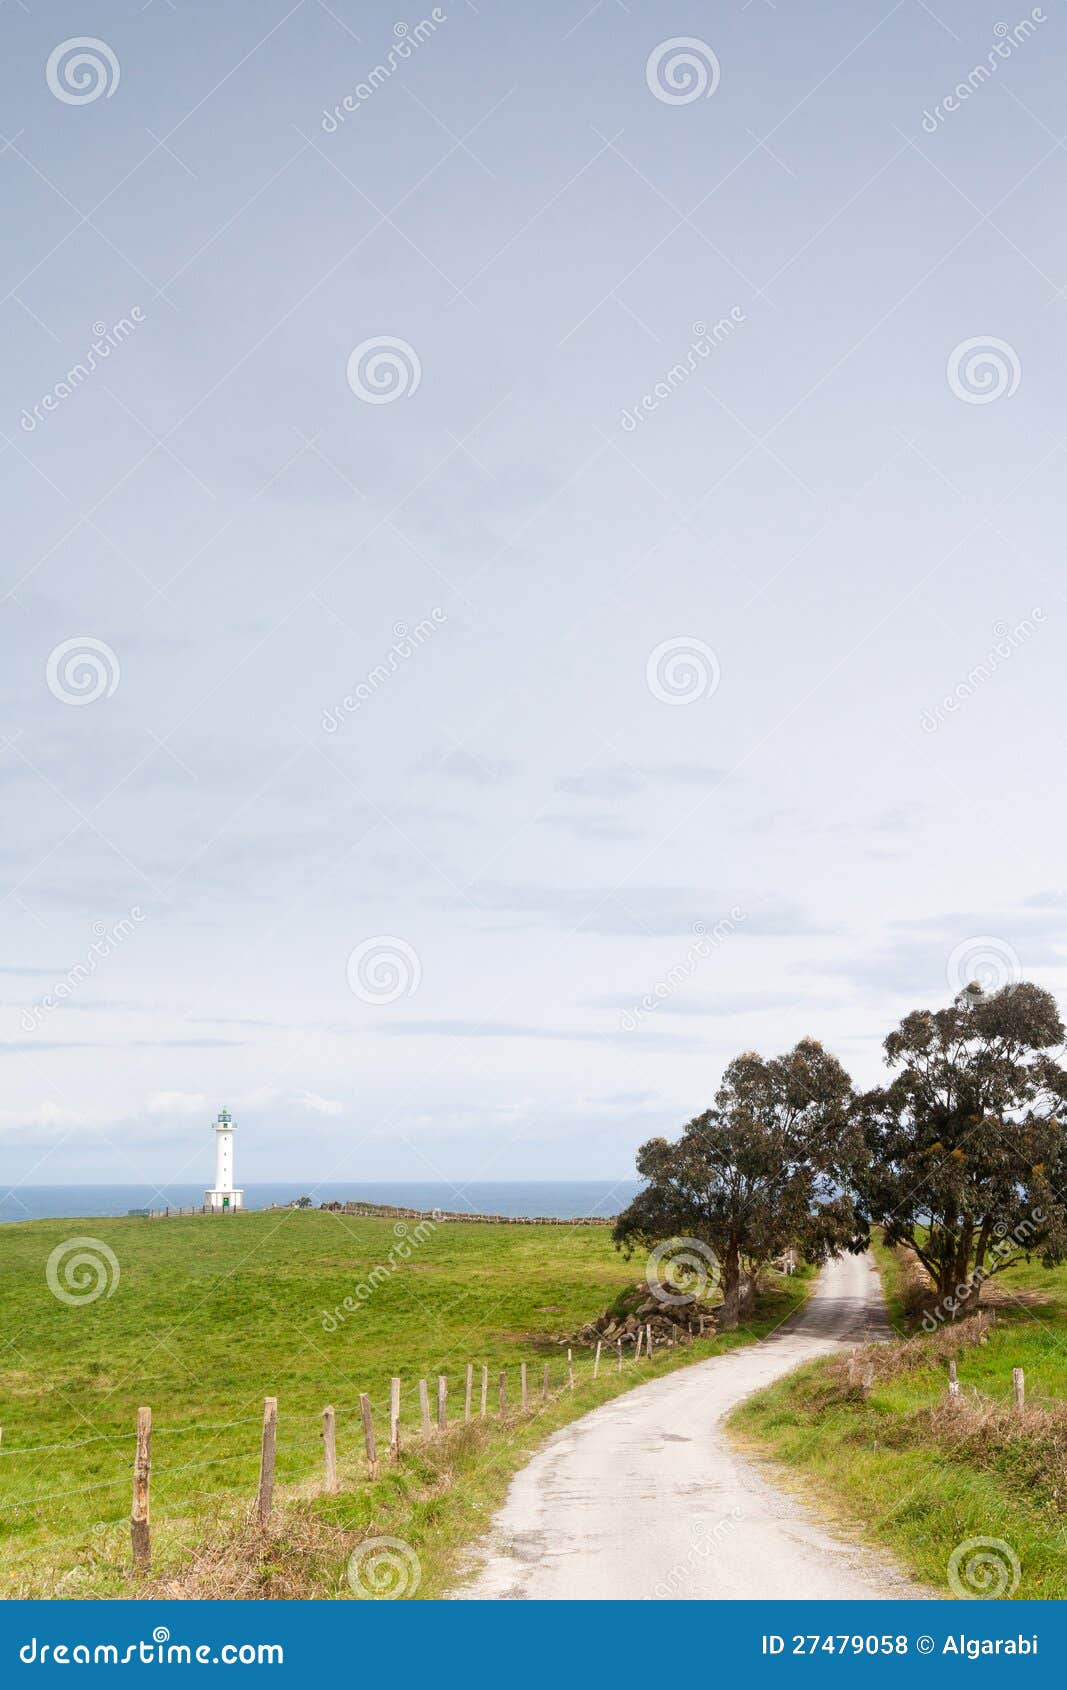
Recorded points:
(210, 1315)
(920, 1476)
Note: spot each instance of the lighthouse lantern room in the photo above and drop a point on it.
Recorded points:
(224, 1195)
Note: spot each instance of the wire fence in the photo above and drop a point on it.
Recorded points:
(373, 1432)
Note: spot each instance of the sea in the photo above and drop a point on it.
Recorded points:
(564, 1199)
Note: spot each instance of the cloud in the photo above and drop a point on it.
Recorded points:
(46, 1115)
(599, 826)
(316, 1105)
(518, 1030)
(177, 1103)
(624, 779)
(694, 1003)
(461, 764)
(915, 961)
(642, 911)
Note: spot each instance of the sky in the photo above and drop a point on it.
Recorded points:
(532, 564)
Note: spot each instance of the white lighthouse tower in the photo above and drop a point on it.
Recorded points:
(224, 1194)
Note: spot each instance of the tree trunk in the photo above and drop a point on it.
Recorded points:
(731, 1289)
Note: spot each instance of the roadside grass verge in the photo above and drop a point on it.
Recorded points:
(920, 1475)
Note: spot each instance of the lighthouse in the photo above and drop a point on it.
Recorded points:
(224, 1195)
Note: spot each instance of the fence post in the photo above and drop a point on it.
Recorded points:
(596, 1360)
(503, 1391)
(619, 1343)
(467, 1391)
(544, 1383)
(442, 1402)
(648, 1340)
(868, 1379)
(570, 1368)
(522, 1384)
(953, 1382)
(142, 1467)
(637, 1346)
(394, 1418)
(265, 1494)
(368, 1434)
(329, 1447)
(1018, 1385)
(424, 1407)
(485, 1389)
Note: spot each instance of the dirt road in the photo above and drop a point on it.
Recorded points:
(644, 1498)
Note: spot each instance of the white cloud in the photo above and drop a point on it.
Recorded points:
(317, 1105)
(176, 1103)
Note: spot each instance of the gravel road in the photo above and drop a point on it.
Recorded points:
(644, 1498)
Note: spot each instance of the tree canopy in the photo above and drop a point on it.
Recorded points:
(961, 1158)
(965, 1149)
(759, 1172)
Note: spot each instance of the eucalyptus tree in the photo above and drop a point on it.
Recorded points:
(766, 1168)
(966, 1154)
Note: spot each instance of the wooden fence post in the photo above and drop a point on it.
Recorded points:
(142, 1468)
(468, 1391)
(637, 1346)
(544, 1383)
(442, 1402)
(1018, 1385)
(596, 1360)
(868, 1379)
(424, 1407)
(265, 1494)
(570, 1368)
(329, 1447)
(368, 1434)
(953, 1382)
(522, 1385)
(503, 1391)
(485, 1390)
(648, 1340)
(394, 1418)
(619, 1342)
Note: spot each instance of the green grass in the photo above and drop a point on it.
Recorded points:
(211, 1315)
(919, 1478)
